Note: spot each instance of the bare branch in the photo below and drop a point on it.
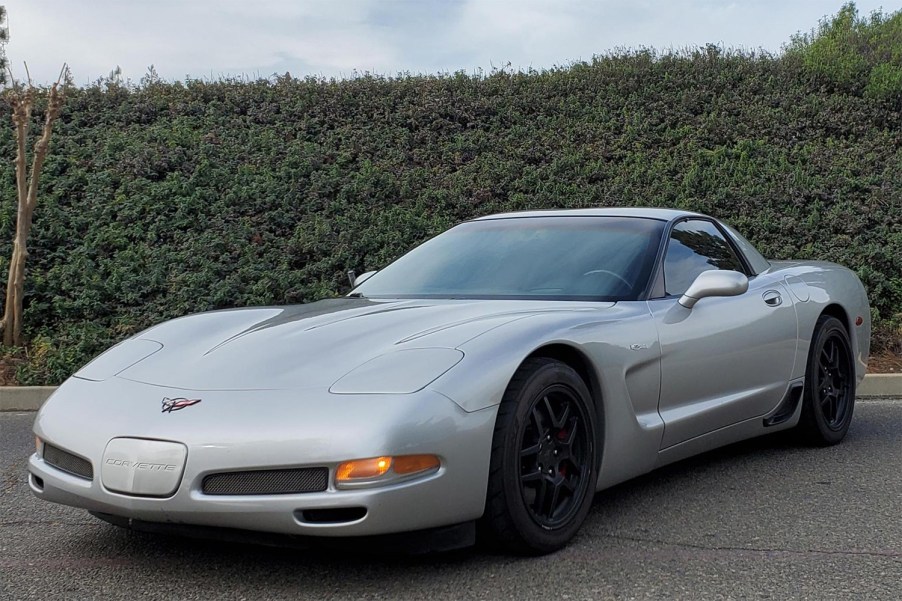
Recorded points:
(63, 72)
(27, 74)
(12, 78)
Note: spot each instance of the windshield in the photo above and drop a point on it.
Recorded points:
(566, 258)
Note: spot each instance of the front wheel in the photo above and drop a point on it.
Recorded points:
(543, 465)
(829, 384)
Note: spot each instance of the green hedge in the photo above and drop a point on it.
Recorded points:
(167, 198)
(850, 52)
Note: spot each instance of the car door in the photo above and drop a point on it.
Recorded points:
(727, 359)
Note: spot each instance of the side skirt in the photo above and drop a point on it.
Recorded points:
(781, 420)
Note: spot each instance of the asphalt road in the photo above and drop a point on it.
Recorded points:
(765, 519)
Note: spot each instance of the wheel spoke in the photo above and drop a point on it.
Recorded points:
(555, 497)
(571, 434)
(560, 422)
(842, 389)
(569, 484)
(834, 357)
(531, 476)
(830, 352)
(541, 492)
(837, 364)
(573, 468)
(538, 420)
(549, 410)
(529, 451)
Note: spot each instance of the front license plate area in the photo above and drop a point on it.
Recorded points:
(146, 468)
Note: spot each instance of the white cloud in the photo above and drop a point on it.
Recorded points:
(209, 38)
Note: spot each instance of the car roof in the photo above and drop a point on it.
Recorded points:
(645, 212)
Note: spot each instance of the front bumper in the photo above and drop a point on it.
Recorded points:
(253, 430)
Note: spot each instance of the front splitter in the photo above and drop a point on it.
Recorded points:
(418, 542)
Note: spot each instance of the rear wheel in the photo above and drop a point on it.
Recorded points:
(543, 465)
(829, 384)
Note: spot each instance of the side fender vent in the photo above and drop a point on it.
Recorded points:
(787, 407)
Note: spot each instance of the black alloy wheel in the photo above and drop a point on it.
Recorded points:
(833, 381)
(544, 459)
(829, 384)
(554, 456)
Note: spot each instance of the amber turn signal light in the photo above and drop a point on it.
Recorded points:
(384, 470)
(362, 469)
(411, 464)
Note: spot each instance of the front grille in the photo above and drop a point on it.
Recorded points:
(67, 462)
(267, 482)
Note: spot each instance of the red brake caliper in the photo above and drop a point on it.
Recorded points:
(562, 435)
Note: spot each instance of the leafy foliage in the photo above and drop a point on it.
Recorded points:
(855, 53)
(163, 199)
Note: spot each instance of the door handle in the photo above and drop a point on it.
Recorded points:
(772, 298)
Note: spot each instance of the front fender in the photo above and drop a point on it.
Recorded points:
(621, 346)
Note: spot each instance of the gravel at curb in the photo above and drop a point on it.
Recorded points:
(30, 398)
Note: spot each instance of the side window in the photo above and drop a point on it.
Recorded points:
(758, 263)
(695, 246)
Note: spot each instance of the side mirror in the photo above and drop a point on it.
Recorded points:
(716, 282)
(364, 277)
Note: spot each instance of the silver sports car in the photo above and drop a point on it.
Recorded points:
(490, 380)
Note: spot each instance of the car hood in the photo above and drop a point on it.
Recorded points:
(313, 345)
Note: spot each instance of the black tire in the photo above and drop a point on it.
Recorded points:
(829, 398)
(544, 460)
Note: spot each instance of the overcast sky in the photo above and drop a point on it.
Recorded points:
(256, 38)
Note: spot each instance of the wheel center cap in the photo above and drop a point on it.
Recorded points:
(547, 456)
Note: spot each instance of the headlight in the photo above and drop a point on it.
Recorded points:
(378, 471)
(38, 446)
(398, 372)
(117, 359)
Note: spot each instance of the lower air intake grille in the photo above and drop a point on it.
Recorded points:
(267, 482)
(67, 462)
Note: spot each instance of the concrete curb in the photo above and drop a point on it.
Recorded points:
(30, 398)
(24, 398)
(881, 385)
